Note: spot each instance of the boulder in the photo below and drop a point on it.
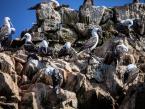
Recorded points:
(19, 68)
(74, 81)
(91, 14)
(92, 97)
(8, 105)
(69, 16)
(134, 98)
(45, 97)
(7, 64)
(8, 87)
(67, 35)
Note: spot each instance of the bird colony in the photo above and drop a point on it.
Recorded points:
(91, 58)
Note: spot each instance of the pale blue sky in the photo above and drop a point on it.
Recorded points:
(23, 18)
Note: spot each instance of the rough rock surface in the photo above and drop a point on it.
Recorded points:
(96, 80)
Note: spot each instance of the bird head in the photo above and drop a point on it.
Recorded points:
(67, 45)
(98, 31)
(7, 19)
(127, 22)
(130, 22)
(56, 4)
(27, 36)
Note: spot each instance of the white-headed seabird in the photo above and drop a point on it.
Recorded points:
(65, 50)
(7, 29)
(28, 44)
(127, 22)
(43, 47)
(55, 2)
(93, 41)
(28, 38)
(131, 73)
(56, 76)
(121, 48)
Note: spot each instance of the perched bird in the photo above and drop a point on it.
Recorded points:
(127, 22)
(66, 50)
(131, 73)
(94, 40)
(7, 29)
(119, 51)
(56, 76)
(55, 3)
(28, 45)
(32, 66)
(43, 47)
(121, 48)
(28, 38)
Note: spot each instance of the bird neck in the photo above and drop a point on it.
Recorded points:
(6, 22)
(94, 34)
(97, 37)
(28, 39)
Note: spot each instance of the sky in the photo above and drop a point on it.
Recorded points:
(23, 18)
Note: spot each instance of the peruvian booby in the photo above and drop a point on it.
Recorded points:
(43, 47)
(127, 22)
(93, 41)
(55, 3)
(121, 48)
(119, 51)
(28, 45)
(131, 73)
(57, 77)
(32, 66)
(28, 38)
(7, 29)
(66, 50)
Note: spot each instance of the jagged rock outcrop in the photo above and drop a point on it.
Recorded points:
(99, 79)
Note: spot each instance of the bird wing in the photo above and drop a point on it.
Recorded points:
(89, 43)
(4, 30)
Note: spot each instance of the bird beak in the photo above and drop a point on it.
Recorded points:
(23, 38)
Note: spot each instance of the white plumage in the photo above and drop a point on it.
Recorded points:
(28, 37)
(44, 44)
(127, 22)
(49, 70)
(67, 45)
(91, 43)
(7, 29)
(56, 2)
(131, 67)
(131, 74)
(96, 38)
(122, 48)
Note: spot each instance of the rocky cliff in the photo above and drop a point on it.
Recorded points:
(89, 82)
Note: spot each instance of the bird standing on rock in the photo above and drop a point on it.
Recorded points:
(93, 41)
(28, 45)
(119, 52)
(55, 3)
(56, 76)
(6, 32)
(66, 50)
(127, 22)
(131, 73)
(43, 47)
(7, 29)
(28, 38)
